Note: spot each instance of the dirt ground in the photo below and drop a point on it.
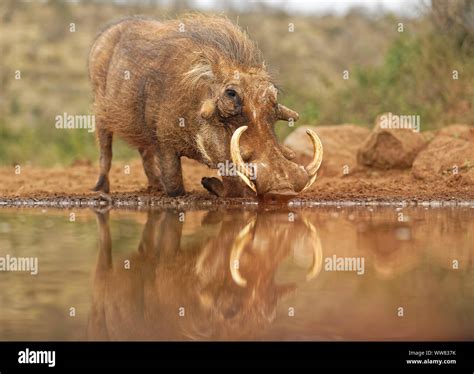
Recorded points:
(128, 182)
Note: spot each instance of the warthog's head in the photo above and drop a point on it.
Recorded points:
(247, 103)
(239, 96)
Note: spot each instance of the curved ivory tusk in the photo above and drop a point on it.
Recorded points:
(317, 264)
(286, 114)
(313, 166)
(238, 246)
(237, 158)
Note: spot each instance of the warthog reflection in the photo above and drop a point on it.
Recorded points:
(215, 283)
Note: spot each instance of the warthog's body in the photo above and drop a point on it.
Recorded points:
(182, 88)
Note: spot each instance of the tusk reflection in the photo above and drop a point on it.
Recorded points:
(242, 239)
(317, 249)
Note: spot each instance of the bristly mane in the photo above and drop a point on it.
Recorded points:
(222, 36)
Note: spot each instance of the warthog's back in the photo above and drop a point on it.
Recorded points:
(106, 50)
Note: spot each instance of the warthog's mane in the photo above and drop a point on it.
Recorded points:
(218, 42)
(211, 42)
(224, 37)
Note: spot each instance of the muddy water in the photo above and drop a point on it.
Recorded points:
(313, 274)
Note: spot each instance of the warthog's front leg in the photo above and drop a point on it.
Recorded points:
(171, 174)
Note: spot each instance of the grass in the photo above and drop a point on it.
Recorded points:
(53, 147)
(416, 78)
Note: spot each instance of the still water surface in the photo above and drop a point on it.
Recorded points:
(307, 274)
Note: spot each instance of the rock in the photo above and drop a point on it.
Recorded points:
(449, 154)
(340, 144)
(458, 132)
(390, 148)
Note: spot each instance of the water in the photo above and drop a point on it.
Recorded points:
(325, 273)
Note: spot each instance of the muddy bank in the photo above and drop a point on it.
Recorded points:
(359, 165)
(71, 186)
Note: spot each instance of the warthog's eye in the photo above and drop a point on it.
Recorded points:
(230, 92)
(229, 104)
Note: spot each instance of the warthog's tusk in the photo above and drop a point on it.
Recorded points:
(241, 169)
(238, 246)
(313, 166)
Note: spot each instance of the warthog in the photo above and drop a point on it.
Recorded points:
(196, 87)
(217, 281)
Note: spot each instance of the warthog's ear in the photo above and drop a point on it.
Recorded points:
(208, 109)
(287, 114)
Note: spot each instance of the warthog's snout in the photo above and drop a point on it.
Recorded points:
(277, 179)
(277, 196)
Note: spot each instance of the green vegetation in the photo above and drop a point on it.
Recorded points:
(47, 146)
(416, 78)
(406, 73)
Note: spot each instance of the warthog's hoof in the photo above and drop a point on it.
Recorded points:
(102, 184)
